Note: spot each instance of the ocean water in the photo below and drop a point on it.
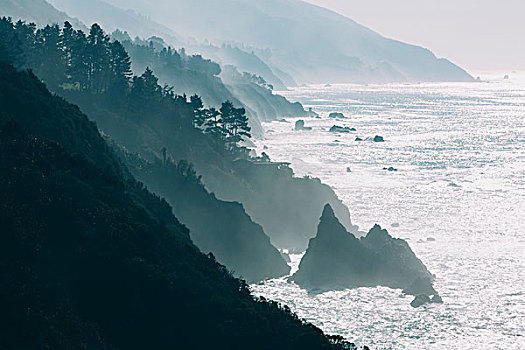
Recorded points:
(460, 154)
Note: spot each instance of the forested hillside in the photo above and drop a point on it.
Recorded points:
(94, 72)
(89, 259)
(194, 74)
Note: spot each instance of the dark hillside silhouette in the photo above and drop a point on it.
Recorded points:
(88, 262)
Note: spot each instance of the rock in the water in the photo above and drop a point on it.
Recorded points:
(342, 129)
(390, 169)
(348, 170)
(299, 125)
(336, 115)
(420, 300)
(337, 259)
(378, 138)
(358, 139)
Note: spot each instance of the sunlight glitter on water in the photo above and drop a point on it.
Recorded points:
(460, 154)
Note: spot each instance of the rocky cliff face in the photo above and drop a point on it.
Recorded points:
(337, 259)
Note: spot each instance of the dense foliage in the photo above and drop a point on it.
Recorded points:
(88, 262)
(69, 60)
(193, 74)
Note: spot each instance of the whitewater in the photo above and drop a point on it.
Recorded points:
(457, 197)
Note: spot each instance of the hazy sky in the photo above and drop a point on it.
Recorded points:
(476, 34)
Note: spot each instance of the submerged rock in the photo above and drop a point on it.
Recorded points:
(299, 125)
(390, 169)
(336, 115)
(358, 139)
(378, 138)
(337, 259)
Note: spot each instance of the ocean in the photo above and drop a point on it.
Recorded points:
(457, 197)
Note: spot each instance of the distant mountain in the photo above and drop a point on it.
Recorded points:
(310, 43)
(193, 74)
(38, 11)
(113, 18)
(244, 61)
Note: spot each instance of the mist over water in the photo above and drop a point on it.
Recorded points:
(460, 154)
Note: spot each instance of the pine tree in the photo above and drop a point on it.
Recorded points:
(26, 37)
(199, 113)
(10, 45)
(144, 89)
(235, 123)
(50, 63)
(79, 65)
(99, 72)
(120, 67)
(213, 124)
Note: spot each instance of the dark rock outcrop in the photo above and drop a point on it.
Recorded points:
(299, 125)
(341, 129)
(378, 138)
(423, 299)
(337, 259)
(336, 115)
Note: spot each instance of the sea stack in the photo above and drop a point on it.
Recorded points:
(336, 259)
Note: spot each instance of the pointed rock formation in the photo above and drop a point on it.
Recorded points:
(337, 259)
